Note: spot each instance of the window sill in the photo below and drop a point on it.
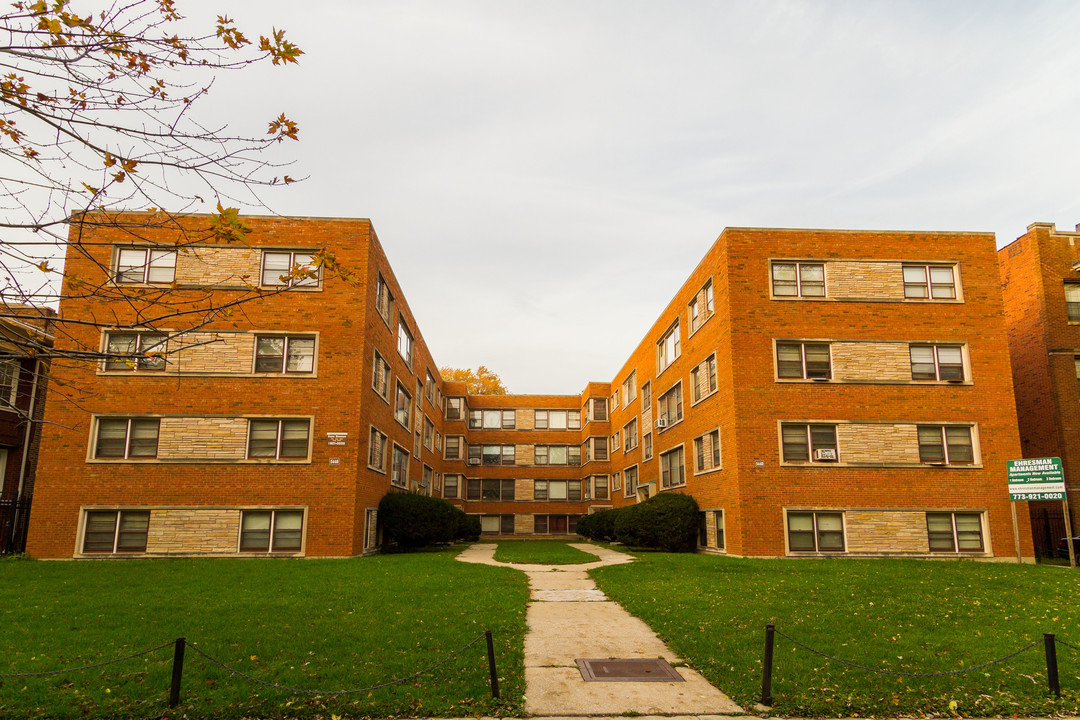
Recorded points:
(707, 472)
(698, 328)
(703, 398)
(662, 430)
(292, 288)
(181, 373)
(924, 466)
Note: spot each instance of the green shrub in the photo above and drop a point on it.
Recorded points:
(412, 521)
(668, 521)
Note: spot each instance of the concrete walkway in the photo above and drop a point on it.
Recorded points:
(569, 618)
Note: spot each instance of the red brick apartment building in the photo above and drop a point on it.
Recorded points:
(818, 392)
(1040, 279)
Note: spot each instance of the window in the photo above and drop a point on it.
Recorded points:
(115, 531)
(1076, 363)
(815, 532)
(453, 447)
(399, 468)
(600, 487)
(936, 362)
(404, 341)
(492, 419)
(540, 524)
(455, 408)
(145, 266)
(557, 419)
(672, 468)
(1072, 301)
(416, 445)
(502, 524)
(646, 446)
(557, 455)
(793, 279)
(700, 308)
(646, 395)
(427, 479)
(135, 351)
(930, 282)
(805, 361)
(271, 530)
(402, 405)
(569, 490)
(9, 383)
(429, 388)
(719, 514)
(384, 300)
(451, 483)
(707, 452)
(598, 448)
(946, 445)
(630, 433)
(615, 441)
(429, 434)
(490, 489)
(615, 400)
(377, 450)
(278, 439)
(598, 408)
(954, 532)
(667, 348)
(809, 443)
(630, 487)
(125, 438)
(380, 377)
(285, 354)
(629, 388)
(669, 407)
(703, 379)
(291, 269)
(491, 454)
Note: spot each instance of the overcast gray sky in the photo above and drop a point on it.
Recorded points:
(544, 175)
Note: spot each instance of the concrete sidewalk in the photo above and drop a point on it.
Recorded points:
(569, 618)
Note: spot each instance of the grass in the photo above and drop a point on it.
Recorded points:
(318, 624)
(542, 552)
(899, 615)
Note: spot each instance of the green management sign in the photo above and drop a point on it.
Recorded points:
(1036, 479)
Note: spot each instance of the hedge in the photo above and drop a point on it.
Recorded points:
(668, 521)
(412, 521)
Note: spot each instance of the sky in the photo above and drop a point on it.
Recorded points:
(544, 175)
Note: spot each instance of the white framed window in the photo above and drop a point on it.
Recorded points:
(380, 377)
(399, 466)
(285, 439)
(291, 354)
(115, 531)
(798, 279)
(126, 438)
(631, 481)
(630, 433)
(803, 361)
(451, 486)
(402, 406)
(290, 269)
(416, 445)
(1072, 301)
(672, 468)
(946, 445)
(937, 362)
(809, 443)
(629, 388)
(668, 348)
(135, 351)
(377, 450)
(145, 266)
(600, 487)
(384, 300)
(455, 408)
(669, 407)
(271, 531)
(703, 379)
(929, 282)
(598, 409)
(557, 455)
(598, 447)
(955, 531)
(646, 446)
(429, 388)
(404, 341)
(454, 447)
(707, 452)
(815, 531)
(557, 419)
(9, 383)
(615, 400)
(491, 455)
(429, 434)
(700, 308)
(615, 441)
(492, 419)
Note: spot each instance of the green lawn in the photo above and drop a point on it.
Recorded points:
(318, 624)
(900, 615)
(543, 552)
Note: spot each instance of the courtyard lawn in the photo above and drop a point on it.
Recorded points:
(899, 615)
(542, 552)
(309, 624)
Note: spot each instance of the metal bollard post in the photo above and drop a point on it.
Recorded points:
(1050, 645)
(766, 670)
(491, 665)
(177, 671)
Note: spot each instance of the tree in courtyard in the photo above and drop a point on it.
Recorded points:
(99, 114)
(478, 382)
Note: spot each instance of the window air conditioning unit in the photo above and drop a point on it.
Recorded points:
(661, 422)
(474, 461)
(825, 454)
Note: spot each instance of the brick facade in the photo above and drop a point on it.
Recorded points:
(720, 422)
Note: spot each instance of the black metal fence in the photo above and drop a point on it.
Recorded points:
(14, 520)
(1048, 532)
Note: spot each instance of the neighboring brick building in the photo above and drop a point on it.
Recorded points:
(818, 392)
(1040, 279)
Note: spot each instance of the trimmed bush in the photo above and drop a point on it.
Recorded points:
(412, 521)
(668, 521)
